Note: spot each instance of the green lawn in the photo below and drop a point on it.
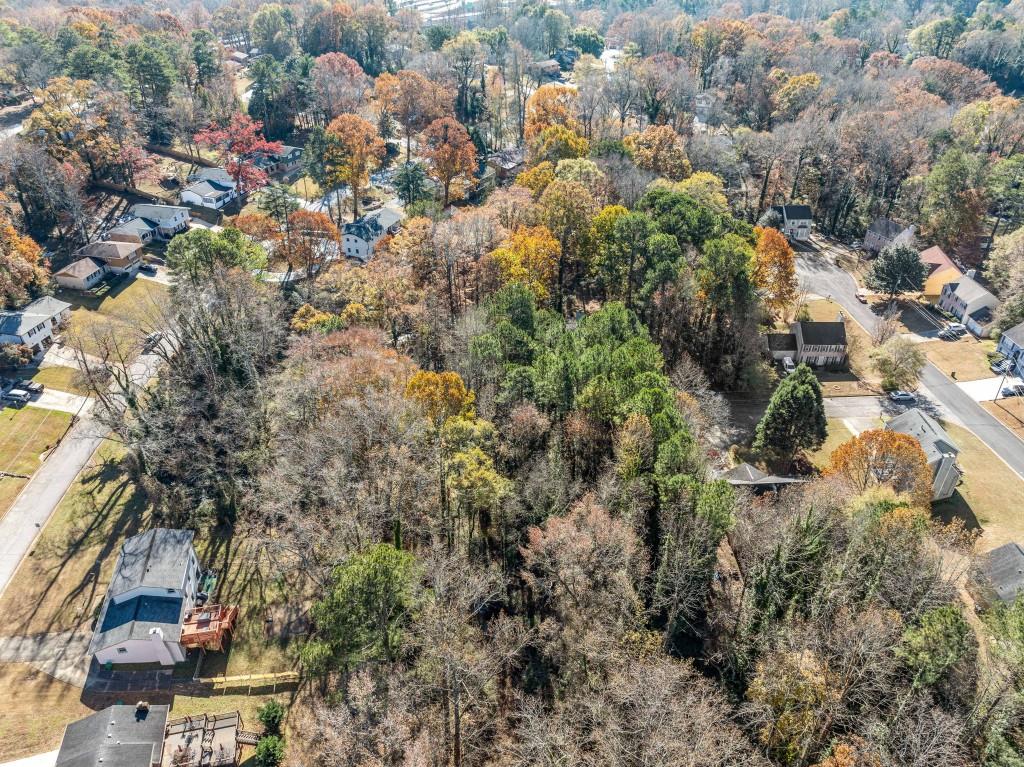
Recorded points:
(25, 433)
(58, 377)
(838, 433)
(130, 308)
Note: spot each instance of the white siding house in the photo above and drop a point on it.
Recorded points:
(208, 193)
(118, 257)
(884, 232)
(83, 274)
(969, 302)
(35, 325)
(797, 221)
(1011, 346)
(359, 237)
(820, 344)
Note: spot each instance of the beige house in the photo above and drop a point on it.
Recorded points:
(83, 274)
(118, 257)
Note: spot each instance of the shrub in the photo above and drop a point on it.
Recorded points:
(271, 714)
(14, 355)
(269, 751)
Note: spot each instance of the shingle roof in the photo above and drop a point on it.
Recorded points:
(935, 258)
(1016, 334)
(135, 226)
(108, 250)
(823, 333)
(969, 290)
(745, 474)
(886, 227)
(19, 321)
(794, 212)
(117, 736)
(213, 174)
(136, 618)
(207, 187)
(81, 268)
(1002, 569)
(156, 212)
(933, 438)
(157, 558)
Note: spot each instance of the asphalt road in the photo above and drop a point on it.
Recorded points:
(819, 274)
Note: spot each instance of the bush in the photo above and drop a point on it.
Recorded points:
(269, 751)
(14, 355)
(271, 714)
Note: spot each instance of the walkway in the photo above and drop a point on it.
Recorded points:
(62, 655)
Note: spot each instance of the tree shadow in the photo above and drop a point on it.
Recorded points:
(956, 507)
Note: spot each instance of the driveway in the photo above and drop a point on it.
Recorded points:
(818, 273)
(63, 655)
(987, 389)
(54, 399)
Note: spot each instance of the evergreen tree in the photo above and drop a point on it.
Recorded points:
(897, 269)
(795, 418)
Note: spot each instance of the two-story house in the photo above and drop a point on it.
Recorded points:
(147, 222)
(940, 450)
(359, 237)
(1011, 346)
(797, 221)
(150, 597)
(969, 302)
(283, 162)
(209, 193)
(820, 344)
(34, 325)
(117, 257)
(884, 232)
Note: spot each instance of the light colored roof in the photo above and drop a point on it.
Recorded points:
(81, 268)
(1002, 569)
(746, 474)
(19, 321)
(213, 174)
(933, 438)
(157, 558)
(109, 250)
(135, 226)
(970, 290)
(208, 188)
(156, 212)
(886, 227)
(1015, 334)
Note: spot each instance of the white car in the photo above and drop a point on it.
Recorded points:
(787, 365)
(902, 396)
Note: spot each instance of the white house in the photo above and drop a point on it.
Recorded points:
(969, 302)
(154, 587)
(83, 274)
(34, 325)
(820, 344)
(285, 160)
(147, 222)
(797, 221)
(884, 232)
(359, 237)
(117, 257)
(209, 193)
(1011, 346)
(939, 449)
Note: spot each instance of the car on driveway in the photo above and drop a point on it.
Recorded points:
(1002, 366)
(787, 365)
(902, 396)
(862, 296)
(30, 386)
(1016, 390)
(148, 268)
(19, 396)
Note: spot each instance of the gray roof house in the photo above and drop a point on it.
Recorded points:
(117, 736)
(939, 448)
(359, 237)
(884, 232)
(34, 325)
(155, 584)
(797, 220)
(998, 576)
(820, 343)
(965, 298)
(1011, 346)
(746, 475)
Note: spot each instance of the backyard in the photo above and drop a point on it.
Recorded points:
(35, 711)
(25, 434)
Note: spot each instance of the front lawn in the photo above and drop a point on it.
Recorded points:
(131, 308)
(1010, 411)
(838, 433)
(306, 188)
(60, 377)
(967, 357)
(25, 434)
(36, 709)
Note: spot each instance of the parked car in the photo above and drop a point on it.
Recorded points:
(1002, 366)
(902, 396)
(30, 386)
(948, 335)
(18, 395)
(147, 267)
(787, 365)
(957, 327)
(1017, 390)
(862, 296)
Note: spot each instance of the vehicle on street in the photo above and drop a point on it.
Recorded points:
(1017, 390)
(862, 296)
(787, 365)
(957, 328)
(902, 396)
(18, 395)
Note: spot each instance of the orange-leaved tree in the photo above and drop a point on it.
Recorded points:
(314, 239)
(412, 101)
(551, 104)
(451, 153)
(530, 257)
(885, 458)
(775, 269)
(441, 395)
(659, 149)
(354, 152)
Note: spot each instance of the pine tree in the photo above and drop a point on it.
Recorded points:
(795, 418)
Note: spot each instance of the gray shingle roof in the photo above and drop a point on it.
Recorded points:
(136, 618)
(157, 558)
(795, 212)
(117, 736)
(1016, 334)
(933, 438)
(823, 333)
(746, 474)
(207, 187)
(1002, 570)
(969, 290)
(886, 227)
(17, 322)
(158, 213)
(83, 267)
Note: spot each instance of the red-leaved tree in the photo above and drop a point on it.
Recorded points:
(238, 144)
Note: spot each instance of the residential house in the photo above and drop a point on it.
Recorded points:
(546, 69)
(1011, 346)
(507, 163)
(147, 222)
(884, 232)
(781, 345)
(117, 736)
(284, 161)
(940, 270)
(219, 175)
(117, 257)
(154, 587)
(820, 344)
(136, 230)
(797, 221)
(969, 302)
(83, 274)
(940, 450)
(359, 237)
(209, 193)
(756, 480)
(998, 576)
(34, 325)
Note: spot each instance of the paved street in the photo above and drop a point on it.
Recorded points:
(818, 273)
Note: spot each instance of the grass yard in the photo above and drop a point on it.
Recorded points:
(62, 582)
(128, 307)
(306, 188)
(990, 496)
(1010, 411)
(838, 433)
(861, 379)
(60, 377)
(36, 709)
(25, 433)
(967, 357)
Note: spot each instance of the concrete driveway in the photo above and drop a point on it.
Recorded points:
(54, 399)
(49, 759)
(987, 389)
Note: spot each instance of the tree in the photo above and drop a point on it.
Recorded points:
(775, 269)
(936, 644)
(450, 152)
(271, 716)
(339, 83)
(899, 361)
(200, 253)
(954, 201)
(556, 143)
(411, 182)
(530, 257)
(313, 240)
(269, 751)
(440, 395)
(566, 210)
(795, 418)
(898, 269)
(880, 457)
(588, 40)
(411, 100)
(659, 149)
(465, 57)
(22, 273)
(355, 152)
(238, 143)
(361, 617)
(550, 104)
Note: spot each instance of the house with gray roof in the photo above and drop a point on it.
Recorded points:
(797, 221)
(154, 587)
(884, 232)
(820, 344)
(1011, 346)
(34, 325)
(146, 222)
(359, 237)
(939, 448)
(751, 477)
(998, 575)
(209, 193)
(967, 300)
(117, 736)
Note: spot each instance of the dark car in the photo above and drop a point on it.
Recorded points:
(147, 268)
(1016, 390)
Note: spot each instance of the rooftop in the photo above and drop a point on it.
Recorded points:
(823, 333)
(117, 736)
(17, 322)
(1002, 569)
(747, 475)
(795, 212)
(109, 250)
(968, 289)
(157, 558)
(934, 440)
(83, 267)
(1015, 334)
(135, 618)
(208, 187)
(935, 259)
(886, 227)
(156, 212)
